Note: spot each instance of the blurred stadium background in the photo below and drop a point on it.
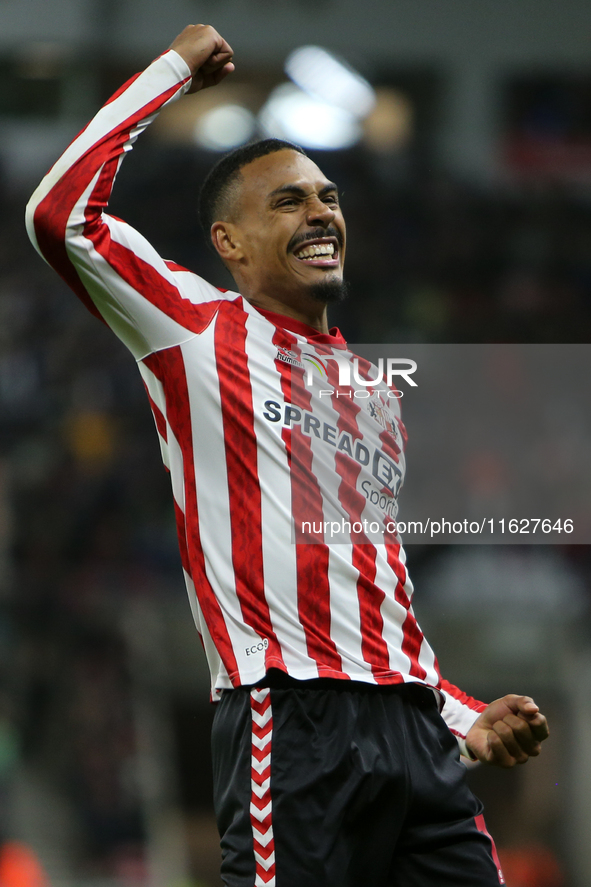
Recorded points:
(462, 142)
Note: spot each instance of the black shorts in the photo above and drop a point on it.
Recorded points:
(337, 784)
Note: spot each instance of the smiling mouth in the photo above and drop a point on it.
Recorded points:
(320, 253)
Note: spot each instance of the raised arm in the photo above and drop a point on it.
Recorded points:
(111, 267)
(206, 53)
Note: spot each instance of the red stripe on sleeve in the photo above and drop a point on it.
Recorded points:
(144, 278)
(181, 529)
(53, 212)
(462, 697)
(123, 88)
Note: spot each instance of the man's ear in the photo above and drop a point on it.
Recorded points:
(227, 241)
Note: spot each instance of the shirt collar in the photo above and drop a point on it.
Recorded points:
(333, 337)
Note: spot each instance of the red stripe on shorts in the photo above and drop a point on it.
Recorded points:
(481, 826)
(261, 805)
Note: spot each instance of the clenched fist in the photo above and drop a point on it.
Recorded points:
(509, 731)
(207, 54)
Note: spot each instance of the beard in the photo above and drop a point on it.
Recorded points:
(330, 291)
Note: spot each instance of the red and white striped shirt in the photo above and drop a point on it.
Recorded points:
(253, 433)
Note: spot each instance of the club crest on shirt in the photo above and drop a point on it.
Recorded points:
(377, 408)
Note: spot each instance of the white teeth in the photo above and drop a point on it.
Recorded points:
(316, 249)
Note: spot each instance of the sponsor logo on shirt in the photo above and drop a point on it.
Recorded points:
(383, 468)
(257, 648)
(309, 360)
(286, 356)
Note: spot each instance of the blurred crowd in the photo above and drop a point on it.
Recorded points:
(86, 520)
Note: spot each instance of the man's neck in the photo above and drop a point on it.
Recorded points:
(315, 316)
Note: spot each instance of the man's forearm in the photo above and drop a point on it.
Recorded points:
(70, 199)
(62, 202)
(459, 712)
(105, 261)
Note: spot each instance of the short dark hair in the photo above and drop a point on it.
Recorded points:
(216, 191)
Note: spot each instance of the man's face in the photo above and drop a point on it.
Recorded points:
(291, 228)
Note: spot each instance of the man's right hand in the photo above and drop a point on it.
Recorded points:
(207, 54)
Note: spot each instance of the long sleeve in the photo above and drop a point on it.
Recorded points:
(149, 303)
(154, 306)
(459, 712)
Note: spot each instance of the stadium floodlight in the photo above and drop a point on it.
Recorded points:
(329, 79)
(290, 113)
(224, 127)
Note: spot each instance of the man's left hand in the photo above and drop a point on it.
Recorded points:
(509, 731)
